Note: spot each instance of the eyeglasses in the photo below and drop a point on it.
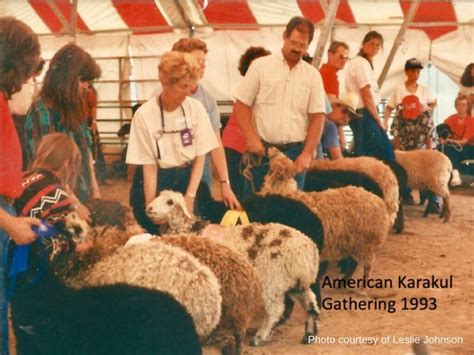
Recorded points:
(298, 44)
(346, 59)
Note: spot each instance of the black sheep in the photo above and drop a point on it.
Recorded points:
(50, 318)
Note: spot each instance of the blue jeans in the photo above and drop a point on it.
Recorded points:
(369, 138)
(258, 173)
(4, 242)
(176, 179)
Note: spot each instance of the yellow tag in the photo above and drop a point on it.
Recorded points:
(234, 218)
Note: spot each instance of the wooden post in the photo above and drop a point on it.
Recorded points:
(325, 32)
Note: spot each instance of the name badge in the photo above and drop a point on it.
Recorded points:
(186, 137)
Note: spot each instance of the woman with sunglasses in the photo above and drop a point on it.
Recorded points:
(169, 138)
(370, 137)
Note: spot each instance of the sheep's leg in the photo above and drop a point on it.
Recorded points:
(400, 220)
(307, 299)
(446, 210)
(351, 268)
(367, 267)
(316, 288)
(274, 311)
(289, 305)
(225, 340)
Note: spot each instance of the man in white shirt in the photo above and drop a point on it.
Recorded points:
(280, 102)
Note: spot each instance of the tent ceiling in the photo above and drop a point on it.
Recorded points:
(151, 16)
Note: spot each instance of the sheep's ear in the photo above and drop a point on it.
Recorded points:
(182, 204)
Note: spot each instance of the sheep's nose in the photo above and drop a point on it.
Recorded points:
(149, 209)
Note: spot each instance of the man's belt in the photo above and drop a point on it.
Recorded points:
(282, 147)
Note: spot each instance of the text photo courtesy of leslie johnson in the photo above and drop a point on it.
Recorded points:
(428, 303)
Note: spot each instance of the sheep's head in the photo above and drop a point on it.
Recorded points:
(166, 205)
(281, 173)
(76, 227)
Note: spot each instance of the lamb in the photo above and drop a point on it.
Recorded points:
(355, 222)
(50, 318)
(163, 268)
(240, 287)
(428, 169)
(369, 173)
(286, 260)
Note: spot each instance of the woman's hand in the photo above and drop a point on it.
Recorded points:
(189, 201)
(228, 196)
(84, 213)
(82, 247)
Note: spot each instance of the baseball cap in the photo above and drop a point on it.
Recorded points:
(350, 100)
(413, 63)
(411, 107)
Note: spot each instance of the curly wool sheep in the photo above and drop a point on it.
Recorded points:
(240, 288)
(431, 170)
(355, 222)
(286, 260)
(50, 318)
(369, 173)
(164, 268)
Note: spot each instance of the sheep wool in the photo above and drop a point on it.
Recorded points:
(164, 268)
(431, 170)
(286, 260)
(240, 288)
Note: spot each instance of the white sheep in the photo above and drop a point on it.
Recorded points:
(286, 260)
(165, 268)
(355, 222)
(431, 170)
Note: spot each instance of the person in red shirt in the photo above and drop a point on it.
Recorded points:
(233, 139)
(19, 57)
(459, 145)
(338, 56)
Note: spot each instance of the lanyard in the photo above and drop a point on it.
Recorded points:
(163, 131)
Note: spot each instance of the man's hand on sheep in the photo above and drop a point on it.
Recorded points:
(302, 162)
(189, 201)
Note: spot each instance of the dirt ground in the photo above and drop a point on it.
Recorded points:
(426, 247)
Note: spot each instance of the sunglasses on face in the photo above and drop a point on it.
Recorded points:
(345, 59)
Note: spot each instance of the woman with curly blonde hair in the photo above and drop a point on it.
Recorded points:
(169, 137)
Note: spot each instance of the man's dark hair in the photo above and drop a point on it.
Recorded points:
(302, 25)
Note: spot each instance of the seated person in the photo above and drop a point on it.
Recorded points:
(343, 110)
(459, 145)
(48, 185)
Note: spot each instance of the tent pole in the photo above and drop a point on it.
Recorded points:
(73, 24)
(59, 15)
(325, 32)
(398, 40)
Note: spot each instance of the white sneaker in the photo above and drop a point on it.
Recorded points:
(455, 179)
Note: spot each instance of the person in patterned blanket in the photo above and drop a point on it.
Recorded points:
(48, 185)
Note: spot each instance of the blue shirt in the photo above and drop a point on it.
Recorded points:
(330, 137)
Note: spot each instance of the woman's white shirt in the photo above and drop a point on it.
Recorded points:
(359, 74)
(422, 92)
(149, 144)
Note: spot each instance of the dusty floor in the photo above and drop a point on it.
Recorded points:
(426, 247)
